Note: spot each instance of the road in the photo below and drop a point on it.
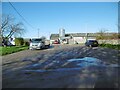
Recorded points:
(62, 66)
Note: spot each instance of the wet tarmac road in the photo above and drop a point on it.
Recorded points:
(64, 67)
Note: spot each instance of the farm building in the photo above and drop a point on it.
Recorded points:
(75, 38)
(71, 38)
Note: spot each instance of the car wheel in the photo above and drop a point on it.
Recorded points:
(90, 45)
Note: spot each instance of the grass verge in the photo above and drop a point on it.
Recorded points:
(11, 49)
(110, 46)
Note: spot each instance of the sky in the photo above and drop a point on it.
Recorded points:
(74, 17)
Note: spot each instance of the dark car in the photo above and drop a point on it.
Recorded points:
(91, 43)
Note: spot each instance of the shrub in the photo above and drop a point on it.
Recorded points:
(110, 46)
(19, 41)
(26, 43)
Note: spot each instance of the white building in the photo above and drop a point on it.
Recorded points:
(73, 38)
(11, 41)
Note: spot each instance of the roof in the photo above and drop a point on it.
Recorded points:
(56, 36)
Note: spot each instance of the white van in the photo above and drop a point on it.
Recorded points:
(38, 43)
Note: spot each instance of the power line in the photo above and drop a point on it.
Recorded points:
(20, 15)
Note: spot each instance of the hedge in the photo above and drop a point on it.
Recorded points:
(19, 41)
(26, 43)
(110, 46)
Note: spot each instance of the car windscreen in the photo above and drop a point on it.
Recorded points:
(36, 40)
(92, 41)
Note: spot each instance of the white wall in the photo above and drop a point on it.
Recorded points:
(109, 41)
(79, 39)
(51, 41)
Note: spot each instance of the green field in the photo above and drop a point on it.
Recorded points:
(11, 49)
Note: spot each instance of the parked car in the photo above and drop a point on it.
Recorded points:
(55, 42)
(91, 43)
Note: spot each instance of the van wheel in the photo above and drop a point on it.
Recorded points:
(31, 49)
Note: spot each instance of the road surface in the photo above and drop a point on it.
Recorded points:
(62, 66)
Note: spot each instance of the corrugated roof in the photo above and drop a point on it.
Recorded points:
(78, 34)
(54, 36)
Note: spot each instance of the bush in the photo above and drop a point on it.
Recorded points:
(110, 46)
(19, 41)
(26, 43)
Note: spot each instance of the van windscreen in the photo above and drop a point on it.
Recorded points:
(36, 40)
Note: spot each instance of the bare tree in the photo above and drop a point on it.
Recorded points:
(9, 28)
(115, 36)
(15, 29)
(101, 34)
(6, 22)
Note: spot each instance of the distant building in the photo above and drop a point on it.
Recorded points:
(73, 38)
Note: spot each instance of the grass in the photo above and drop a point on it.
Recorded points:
(110, 46)
(11, 49)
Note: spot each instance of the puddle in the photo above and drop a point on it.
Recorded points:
(86, 61)
(37, 64)
(75, 64)
(90, 61)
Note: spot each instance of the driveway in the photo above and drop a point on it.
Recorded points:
(66, 66)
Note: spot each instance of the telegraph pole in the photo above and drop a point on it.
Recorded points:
(86, 32)
(38, 33)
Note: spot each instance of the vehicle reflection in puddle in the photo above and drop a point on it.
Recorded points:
(78, 65)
